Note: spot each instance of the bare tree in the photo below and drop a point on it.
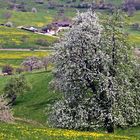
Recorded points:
(5, 112)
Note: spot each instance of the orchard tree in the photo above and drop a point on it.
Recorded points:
(46, 61)
(96, 72)
(15, 87)
(34, 10)
(32, 63)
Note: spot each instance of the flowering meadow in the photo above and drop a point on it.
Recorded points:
(15, 57)
(17, 38)
(22, 132)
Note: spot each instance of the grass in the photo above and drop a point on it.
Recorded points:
(134, 37)
(135, 18)
(32, 104)
(116, 2)
(22, 132)
(27, 18)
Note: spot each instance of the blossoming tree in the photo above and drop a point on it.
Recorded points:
(96, 72)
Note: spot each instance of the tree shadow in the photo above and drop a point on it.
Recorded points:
(18, 102)
(43, 104)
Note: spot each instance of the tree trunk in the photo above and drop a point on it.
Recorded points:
(31, 68)
(109, 125)
(13, 98)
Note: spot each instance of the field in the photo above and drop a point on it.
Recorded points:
(15, 58)
(16, 38)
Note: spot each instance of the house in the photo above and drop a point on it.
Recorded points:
(51, 29)
(62, 23)
(33, 29)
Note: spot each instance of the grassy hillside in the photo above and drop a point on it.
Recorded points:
(20, 39)
(32, 105)
(44, 15)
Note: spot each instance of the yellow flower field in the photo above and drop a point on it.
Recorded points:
(15, 58)
(17, 132)
(22, 54)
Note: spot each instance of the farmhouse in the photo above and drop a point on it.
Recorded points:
(62, 24)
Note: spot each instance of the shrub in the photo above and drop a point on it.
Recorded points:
(9, 24)
(19, 70)
(42, 42)
(34, 10)
(7, 69)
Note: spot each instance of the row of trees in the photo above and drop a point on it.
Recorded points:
(98, 76)
(32, 63)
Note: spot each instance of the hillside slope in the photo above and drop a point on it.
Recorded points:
(30, 109)
(32, 104)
